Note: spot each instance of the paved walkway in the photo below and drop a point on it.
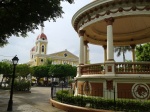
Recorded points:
(36, 101)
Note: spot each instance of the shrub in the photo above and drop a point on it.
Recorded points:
(100, 103)
(22, 85)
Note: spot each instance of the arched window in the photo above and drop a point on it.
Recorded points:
(42, 48)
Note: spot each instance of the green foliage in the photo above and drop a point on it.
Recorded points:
(48, 62)
(5, 68)
(21, 16)
(123, 50)
(65, 97)
(100, 103)
(40, 71)
(22, 70)
(62, 70)
(22, 85)
(143, 52)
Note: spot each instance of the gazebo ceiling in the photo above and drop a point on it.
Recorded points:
(131, 21)
(126, 30)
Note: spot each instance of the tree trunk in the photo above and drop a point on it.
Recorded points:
(124, 59)
(46, 81)
(2, 81)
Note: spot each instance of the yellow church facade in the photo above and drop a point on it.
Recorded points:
(38, 54)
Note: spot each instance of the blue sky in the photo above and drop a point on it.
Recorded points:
(61, 36)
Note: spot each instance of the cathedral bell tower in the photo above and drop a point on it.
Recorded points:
(40, 48)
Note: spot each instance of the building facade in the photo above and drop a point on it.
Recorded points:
(38, 54)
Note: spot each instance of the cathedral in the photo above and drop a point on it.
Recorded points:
(38, 54)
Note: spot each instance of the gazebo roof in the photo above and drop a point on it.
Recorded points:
(131, 21)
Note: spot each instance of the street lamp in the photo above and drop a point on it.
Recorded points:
(10, 103)
(52, 87)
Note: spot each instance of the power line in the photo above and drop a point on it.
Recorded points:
(6, 56)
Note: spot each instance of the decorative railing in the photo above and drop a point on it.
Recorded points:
(132, 68)
(92, 69)
(120, 68)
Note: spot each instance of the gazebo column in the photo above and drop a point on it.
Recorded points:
(133, 52)
(105, 53)
(85, 52)
(110, 63)
(88, 56)
(81, 55)
(110, 46)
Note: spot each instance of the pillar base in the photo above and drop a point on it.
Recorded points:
(110, 68)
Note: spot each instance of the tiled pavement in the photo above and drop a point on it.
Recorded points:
(36, 101)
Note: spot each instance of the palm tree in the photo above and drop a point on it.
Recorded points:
(48, 62)
(123, 50)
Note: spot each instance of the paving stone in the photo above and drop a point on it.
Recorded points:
(36, 101)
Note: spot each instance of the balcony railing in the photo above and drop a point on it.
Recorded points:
(120, 68)
(132, 68)
(92, 69)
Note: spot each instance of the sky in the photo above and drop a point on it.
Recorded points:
(61, 35)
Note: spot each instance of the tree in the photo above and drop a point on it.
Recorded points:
(40, 72)
(6, 70)
(143, 52)
(48, 62)
(17, 17)
(62, 71)
(22, 70)
(123, 50)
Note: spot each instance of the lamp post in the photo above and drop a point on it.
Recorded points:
(10, 103)
(52, 88)
(62, 82)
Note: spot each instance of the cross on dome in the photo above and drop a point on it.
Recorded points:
(42, 35)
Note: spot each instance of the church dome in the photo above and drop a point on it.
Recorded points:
(33, 49)
(42, 36)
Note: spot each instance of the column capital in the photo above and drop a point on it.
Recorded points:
(86, 42)
(104, 46)
(109, 21)
(133, 46)
(81, 32)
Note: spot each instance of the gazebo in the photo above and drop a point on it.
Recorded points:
(110, 23)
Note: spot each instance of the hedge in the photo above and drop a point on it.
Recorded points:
(100, 103)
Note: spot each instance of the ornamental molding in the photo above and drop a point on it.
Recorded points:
(99, 10)
(141, 91)
(87, 88)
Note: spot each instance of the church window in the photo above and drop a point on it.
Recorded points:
(42, 48)
(41, 60)
(35, 60)
(43, 39)
(65, 54)
(32, 56)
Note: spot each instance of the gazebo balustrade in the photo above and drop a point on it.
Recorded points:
(120, 68)
(92, 69)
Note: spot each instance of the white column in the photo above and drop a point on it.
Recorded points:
(81, 56)
(110, 47)
(110, 63)
(88, 56)
(133, 53)
(105, 53)
(85, 52)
